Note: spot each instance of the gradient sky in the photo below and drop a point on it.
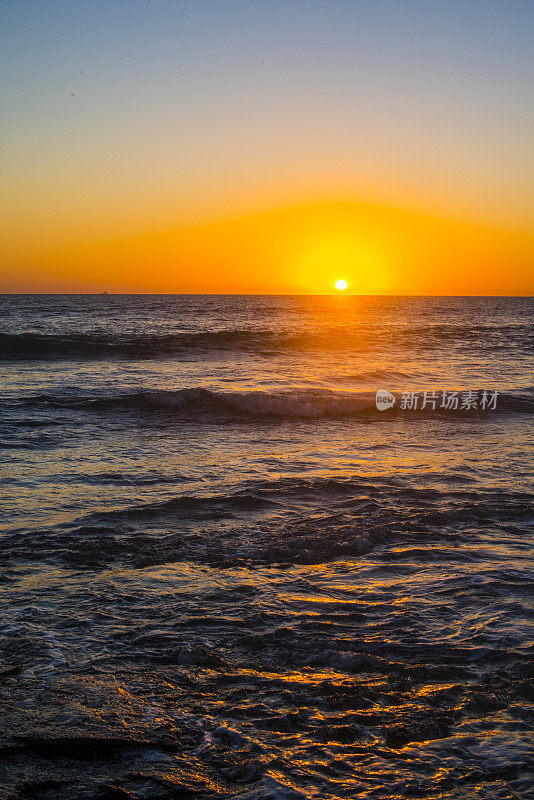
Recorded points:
(224, 145)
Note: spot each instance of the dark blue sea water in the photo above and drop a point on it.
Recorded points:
(226, 574)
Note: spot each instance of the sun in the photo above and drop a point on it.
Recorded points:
(341, 284)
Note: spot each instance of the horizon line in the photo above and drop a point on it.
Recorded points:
(243, 294)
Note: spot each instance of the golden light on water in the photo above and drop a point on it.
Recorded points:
(341, 284)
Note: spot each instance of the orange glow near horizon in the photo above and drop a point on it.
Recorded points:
(299, 250)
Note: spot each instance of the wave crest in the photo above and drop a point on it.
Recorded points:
(98, 345)
(296, 403)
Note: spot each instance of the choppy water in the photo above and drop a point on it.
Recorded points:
(225, 574)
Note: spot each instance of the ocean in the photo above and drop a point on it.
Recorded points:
(225, 573)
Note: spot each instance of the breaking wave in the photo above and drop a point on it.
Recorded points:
(296, 403)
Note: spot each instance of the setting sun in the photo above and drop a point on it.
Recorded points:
(341, 284)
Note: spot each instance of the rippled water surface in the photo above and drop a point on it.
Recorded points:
(226, 574)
